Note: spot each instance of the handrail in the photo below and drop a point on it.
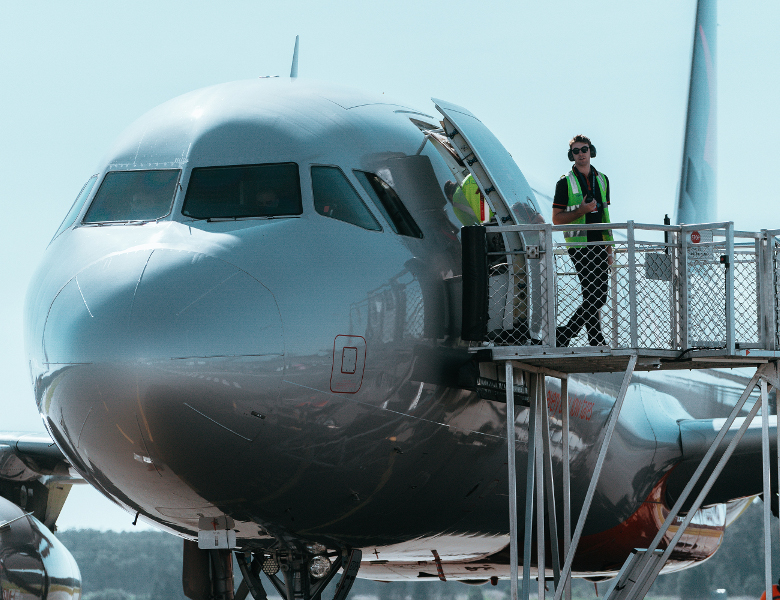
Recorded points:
(705, 286)
(647, 226)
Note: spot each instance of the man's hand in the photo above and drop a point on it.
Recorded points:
(563, 217)
(610, 256)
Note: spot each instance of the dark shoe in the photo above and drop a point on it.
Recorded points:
(597, 340)
(562, 337)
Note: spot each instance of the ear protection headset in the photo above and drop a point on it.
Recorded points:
(592, 152)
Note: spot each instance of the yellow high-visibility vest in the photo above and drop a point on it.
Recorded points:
(580, 236)
(469, 205)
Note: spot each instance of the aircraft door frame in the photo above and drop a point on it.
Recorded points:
(502, 185)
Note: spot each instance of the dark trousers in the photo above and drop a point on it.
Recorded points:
(593, 273)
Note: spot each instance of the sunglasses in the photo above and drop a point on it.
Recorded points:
(578, 150)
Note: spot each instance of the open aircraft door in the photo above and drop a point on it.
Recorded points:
(512, 201)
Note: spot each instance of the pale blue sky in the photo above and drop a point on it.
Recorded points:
(74, 74)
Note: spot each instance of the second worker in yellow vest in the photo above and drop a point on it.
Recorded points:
(469, 205)
(582, 197)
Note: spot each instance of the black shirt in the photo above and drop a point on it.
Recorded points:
(590, 190)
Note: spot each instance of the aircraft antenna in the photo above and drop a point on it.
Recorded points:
(294, 67)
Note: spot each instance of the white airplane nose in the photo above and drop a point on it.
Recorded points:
(88, 319)
(150, 353)
(161, 304)
(192, 305)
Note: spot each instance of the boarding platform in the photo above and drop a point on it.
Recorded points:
(675, 297)
(684, 296)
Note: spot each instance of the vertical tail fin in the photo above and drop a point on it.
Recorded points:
(294, 67)
(697, 199)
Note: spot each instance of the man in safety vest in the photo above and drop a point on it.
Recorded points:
(582, 197)
(775, 592)
(468, 203)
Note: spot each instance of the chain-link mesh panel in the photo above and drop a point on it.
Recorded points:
(615, 313)
(706, 296)
(517, 296)
(513, 286)
(657, 320)
(567, 291)
(542, 278)
(582, 297)
(656, 295)
(746, 298)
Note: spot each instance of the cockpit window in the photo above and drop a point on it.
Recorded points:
(335, 197)
(75, 209)
(389, 204)
(243, 191)
(126, 196)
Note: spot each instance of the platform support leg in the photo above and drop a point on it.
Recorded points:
(510, 443)
(611, 422)
(566, 480)
(767, 489)
(529, 488)
(539, 476)
(540, 485)
(549, 487)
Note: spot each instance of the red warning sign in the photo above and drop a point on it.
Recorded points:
(695, 237)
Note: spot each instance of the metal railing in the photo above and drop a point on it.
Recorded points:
(675, 288)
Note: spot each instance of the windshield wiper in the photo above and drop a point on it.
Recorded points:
(123, 222)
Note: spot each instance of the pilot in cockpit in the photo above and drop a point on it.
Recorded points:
(267, 201)
(141, 206)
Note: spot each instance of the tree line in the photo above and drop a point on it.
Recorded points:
(146, 565)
